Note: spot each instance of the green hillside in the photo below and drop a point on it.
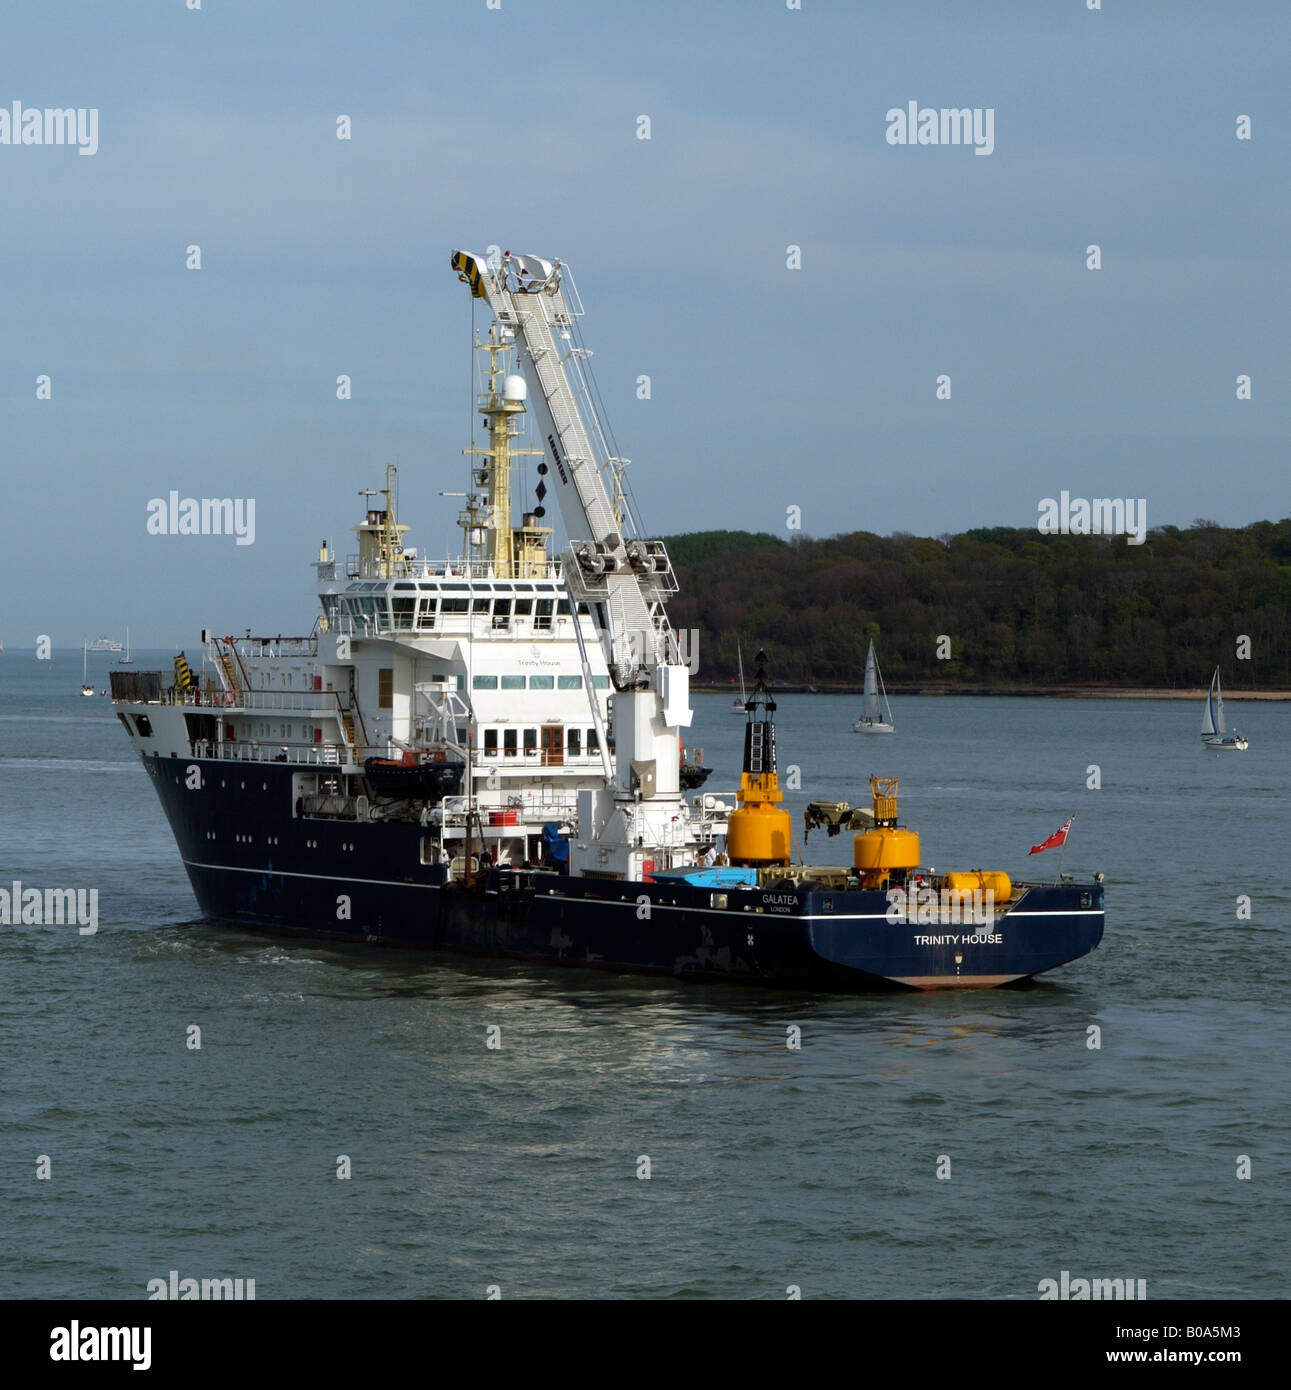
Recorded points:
(1019, 607)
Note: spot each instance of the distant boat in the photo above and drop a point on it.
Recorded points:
(1213, 733)
(871, 720)
(738, 706)
(86, 687)
(127, 659)
(104, 644)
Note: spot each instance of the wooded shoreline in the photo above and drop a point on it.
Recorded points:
(995, 611)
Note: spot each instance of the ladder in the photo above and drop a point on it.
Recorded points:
(229, 667)
(351, 733)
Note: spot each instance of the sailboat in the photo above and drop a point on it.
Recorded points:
(871, 720)
(1213, 733)
(737, 706)
(86, 687)
(127, 659)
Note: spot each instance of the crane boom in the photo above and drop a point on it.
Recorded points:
(626, 579)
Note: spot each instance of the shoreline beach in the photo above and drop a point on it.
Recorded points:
(1072, 692)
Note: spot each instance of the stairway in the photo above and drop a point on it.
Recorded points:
(229, 668)
(351, 734)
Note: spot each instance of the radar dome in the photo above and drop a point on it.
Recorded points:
(514, 389)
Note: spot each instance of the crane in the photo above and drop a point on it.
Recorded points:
(624, 579)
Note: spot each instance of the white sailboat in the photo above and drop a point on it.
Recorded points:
(1213, 733)
(86, 687)
(127, 659)
(737, 706)
(871, 720)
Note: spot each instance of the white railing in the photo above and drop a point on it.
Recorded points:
(272, 647)
(532, 805)
(310, 755)
(299, 700)
(479, 626)
(443, 569)
(214, 700)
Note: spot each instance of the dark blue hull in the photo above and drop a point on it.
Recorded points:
(252, 862)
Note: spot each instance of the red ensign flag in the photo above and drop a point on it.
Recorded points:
(1059, 837)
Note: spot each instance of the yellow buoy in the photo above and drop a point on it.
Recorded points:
(887, 848)
(757, 834)
(758, 831)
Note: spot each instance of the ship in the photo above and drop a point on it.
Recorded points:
(486, 754)
(103, 644)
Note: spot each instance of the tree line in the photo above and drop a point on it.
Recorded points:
(1020, 608)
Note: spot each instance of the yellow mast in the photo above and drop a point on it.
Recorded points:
(502, 410)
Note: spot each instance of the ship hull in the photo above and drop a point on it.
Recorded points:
(253, 863)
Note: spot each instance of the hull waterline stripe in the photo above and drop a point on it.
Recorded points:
(287, 873)
(1058, 912)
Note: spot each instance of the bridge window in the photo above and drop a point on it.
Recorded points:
(542, 618)
(484, 682)
(601, 682)
(541, 682)
(569, 682)
(512, 682)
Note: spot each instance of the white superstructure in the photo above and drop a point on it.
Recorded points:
(557, 682)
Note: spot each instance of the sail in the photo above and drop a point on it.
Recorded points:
(870, 704)
(1212, 718)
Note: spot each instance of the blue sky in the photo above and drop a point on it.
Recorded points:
(771, 388)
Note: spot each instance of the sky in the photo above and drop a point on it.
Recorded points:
(772, 387)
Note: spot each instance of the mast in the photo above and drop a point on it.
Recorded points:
(380, 534)
(511, 553)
